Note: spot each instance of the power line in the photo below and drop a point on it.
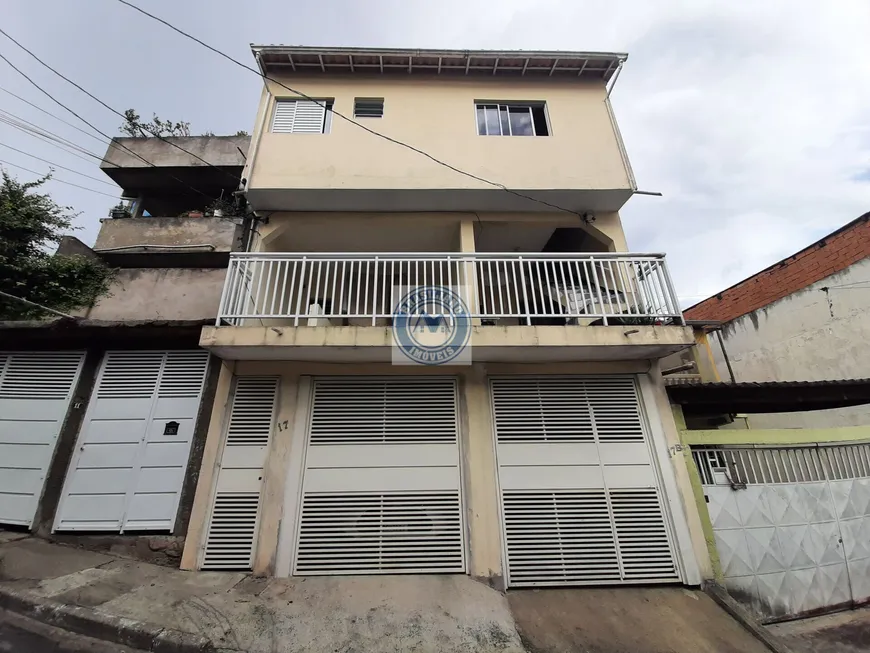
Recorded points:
(19, 123)
(56, 144)
(27, 301)
(115, 111)
(56, 165)
(68, 183)
(350, 120)
(49, 113)
(61, 104)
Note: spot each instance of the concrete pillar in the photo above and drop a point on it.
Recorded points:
(275, 478)
(469, 270)
(211, 457)
(479, 478)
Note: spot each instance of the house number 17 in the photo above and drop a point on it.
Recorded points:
(282, 426)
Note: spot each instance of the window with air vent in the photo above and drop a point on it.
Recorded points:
(368, 107)
(512, 119)
(302, 116)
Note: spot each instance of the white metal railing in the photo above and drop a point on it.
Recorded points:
(316, 289)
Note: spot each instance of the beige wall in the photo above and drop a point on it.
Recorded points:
(437, 115)
(429, 232)
(160, 294)
(479, 470)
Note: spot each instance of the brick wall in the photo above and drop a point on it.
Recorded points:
(833, 253)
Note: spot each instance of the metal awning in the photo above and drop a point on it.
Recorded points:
(600, 66)
(768, 397)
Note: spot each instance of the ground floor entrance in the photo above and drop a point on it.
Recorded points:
(544, 480)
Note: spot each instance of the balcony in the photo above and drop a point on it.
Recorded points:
(516, 302)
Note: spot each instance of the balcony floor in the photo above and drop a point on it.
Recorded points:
(489, 343)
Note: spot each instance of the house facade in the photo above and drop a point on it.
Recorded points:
(543, 455)
(804, 318)
(104, 415)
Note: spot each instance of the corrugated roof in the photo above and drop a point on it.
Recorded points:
(599, 66)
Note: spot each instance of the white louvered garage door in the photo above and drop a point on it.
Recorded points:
(130, 459)
(35, 393)
(380, 490)
(580, 498)
(234, 519)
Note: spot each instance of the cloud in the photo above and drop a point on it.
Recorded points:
(752, 118)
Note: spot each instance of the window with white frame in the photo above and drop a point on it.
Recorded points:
(512, 119)
(302, 116)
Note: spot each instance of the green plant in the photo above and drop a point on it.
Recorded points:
(29, 222)
(225, 207)
(133, 126)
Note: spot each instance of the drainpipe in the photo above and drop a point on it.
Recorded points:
(725, 355)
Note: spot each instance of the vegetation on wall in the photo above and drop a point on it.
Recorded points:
(135, 127)
(29, 223)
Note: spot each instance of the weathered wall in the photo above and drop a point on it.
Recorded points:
(437, 115)
(818, 333)
(223, 233)
(157, 294)
(217, 150)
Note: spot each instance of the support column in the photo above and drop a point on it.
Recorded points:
(479, 478)
(211, 457)
(469, 269)
(275, 478)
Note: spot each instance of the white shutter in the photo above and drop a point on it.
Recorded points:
(381, 490)
(299, 117)
(232, 527)
(35, 393)
(579, 492)
(131, 456)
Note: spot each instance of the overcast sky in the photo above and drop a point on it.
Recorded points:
(753, 118)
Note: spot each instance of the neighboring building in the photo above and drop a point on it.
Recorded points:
(805, 318)
(104, 416)
(545, 461)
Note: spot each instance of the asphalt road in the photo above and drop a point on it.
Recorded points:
(21, 635)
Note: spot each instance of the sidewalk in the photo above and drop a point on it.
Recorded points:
(149, 607)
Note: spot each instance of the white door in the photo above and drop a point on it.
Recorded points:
(580, 496)
(235, 509)
(128, 467)
(380, 488)
(35, 393)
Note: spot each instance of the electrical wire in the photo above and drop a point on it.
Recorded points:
(61, 104)
(57, 165)
(350, 120)
(115, 111)
(58, 145)
(68, 183)
(49, 113)
(20, 123)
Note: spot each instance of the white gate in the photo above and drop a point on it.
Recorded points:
(380, 488)
(130, 459)
(35, 393)
(235, 513)
(792, 524)
(580, 496)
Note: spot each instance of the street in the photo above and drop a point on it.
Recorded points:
(21, 635)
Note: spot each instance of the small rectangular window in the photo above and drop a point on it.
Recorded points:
(302, 117)
(368, 107)
(512, 119)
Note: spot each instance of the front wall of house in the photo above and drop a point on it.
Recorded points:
(437, 115)
(816, 334)
(478, 458)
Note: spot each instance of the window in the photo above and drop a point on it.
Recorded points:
(368, 107)
(528, 119)
(302, 117)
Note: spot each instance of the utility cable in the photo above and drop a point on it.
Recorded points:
(115, 111)
(59, 146)
(61, 104)
(27, 301)
(57, 165)
(16, 121)
(68, 183)
(49, 113)
(350, 120)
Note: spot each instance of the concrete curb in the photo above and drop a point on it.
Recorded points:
(744, 617)
(120, 630)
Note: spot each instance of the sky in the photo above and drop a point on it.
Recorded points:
(751, 118)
